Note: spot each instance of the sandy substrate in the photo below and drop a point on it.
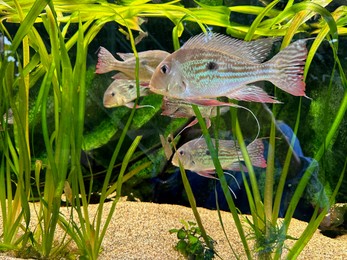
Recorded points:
(140, 230)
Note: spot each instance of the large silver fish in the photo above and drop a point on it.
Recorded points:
(122, 92)
(148, 60)
(195, 156)
(217, 65)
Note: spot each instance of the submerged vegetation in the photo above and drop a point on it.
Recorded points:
(48, 88)
(190, 242)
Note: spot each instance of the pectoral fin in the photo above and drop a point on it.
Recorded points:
(150, 69)
(130, 105)
(207, 174)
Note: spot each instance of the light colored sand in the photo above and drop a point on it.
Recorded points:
(140, 230)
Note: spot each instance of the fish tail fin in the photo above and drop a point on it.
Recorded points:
(256, 153)
(106, 61)
(289, 67)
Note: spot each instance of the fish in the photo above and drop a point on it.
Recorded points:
(216, 65)
(122, 92)
(148, 60)
(178, 108)
(166, 144)
(195, 156)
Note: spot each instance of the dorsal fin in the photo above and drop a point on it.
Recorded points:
(255, 51)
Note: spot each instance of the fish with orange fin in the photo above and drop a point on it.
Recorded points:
(178, 108)
(122, 92)
(215, 65)
(195, 155)
(148, 61)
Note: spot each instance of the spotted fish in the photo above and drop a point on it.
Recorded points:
(215, 65)
(195, 156)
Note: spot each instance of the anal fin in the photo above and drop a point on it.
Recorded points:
(251, 93)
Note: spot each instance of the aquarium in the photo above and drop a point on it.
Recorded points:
(235, 106)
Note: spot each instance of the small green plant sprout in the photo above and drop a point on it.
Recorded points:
(267, 243)
(191, 243)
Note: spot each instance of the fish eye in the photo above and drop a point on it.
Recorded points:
(181, 152)
(164, 69)
(131, 86)
(113, 94)
(211, 65)
(208, 152)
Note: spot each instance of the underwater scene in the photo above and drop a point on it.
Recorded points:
(236, 106)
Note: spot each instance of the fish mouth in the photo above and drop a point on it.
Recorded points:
(106, 104)
(156, 90)
(174, 160)
(111, 105)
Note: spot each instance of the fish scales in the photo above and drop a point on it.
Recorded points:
(227, 153)
(230, 74)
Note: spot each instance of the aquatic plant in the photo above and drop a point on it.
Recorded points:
(190, 242)
(49, 52)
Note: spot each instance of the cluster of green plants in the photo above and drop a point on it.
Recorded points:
(190, 242)
(54, 59)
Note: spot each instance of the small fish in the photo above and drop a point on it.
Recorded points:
(195, 156)
(216, 65)
(149, 60)
(166, 144)
(178, 108)
(122, 92)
